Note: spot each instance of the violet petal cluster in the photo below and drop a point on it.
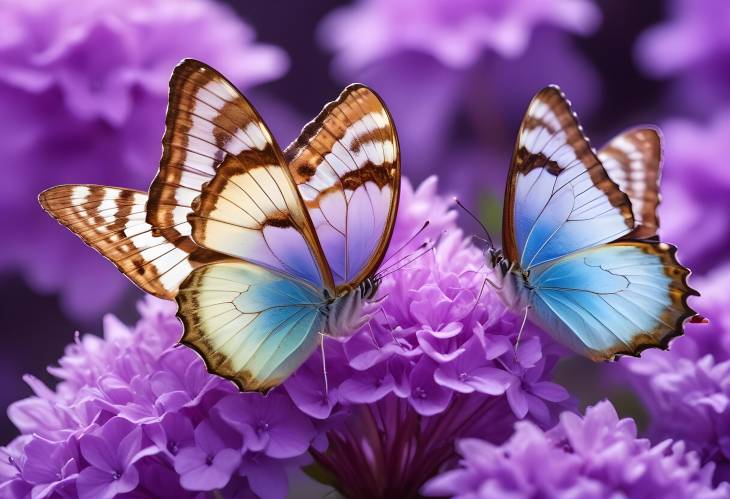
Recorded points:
(437, 361)
(83, 92)
(687, 389)
(135, 412)
(594, 456)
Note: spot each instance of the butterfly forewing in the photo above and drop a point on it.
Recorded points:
(346, 164)
(112, 221)
(559, 198)
(633, 160)
(252, 210)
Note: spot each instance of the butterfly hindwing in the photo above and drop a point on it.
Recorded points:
(559, 198)
(633, 160)
(346, 164)
(617, 298)
(112, 221)
(250, 324)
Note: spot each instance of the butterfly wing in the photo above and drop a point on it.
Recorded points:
(632, 160)
(559, 198)
(252, 325)
(346, 164)
(112, 221)
(618, 298)
(221, 163)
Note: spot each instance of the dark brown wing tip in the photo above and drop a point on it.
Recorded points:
(311, 128)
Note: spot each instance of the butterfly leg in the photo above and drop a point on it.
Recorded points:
(324, 366)
(522, 327)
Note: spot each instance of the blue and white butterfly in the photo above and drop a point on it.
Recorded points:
(581, 258)
(264, 250)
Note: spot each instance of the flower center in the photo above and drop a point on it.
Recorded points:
(209, 460)
(116, 475)
(172, 447)
(262, 427)
(463, 376)
(420, 392)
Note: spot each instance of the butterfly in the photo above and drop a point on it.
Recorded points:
(581, 257)
(264, 250)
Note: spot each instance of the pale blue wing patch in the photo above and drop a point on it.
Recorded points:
(251, 325)
(615, 299)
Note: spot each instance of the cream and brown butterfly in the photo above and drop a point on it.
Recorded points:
(581, 255)
(264, 250)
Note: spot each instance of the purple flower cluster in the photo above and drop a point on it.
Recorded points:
(134, 412)
(692, 47)
(696, 190)
(432, 365)
(83, 90)
(595, 456)
(687, 389)
(467, 60)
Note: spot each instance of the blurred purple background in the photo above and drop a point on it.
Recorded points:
(83, 89)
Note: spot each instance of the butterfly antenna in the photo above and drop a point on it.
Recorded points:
(409, 241)
(395, 268)
(476, 219)
(522, 327)
(324, 367)
(387, 268)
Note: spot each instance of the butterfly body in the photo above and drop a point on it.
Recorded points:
(265, 250)
(581, 257)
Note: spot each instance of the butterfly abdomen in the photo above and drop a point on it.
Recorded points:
(346, 314)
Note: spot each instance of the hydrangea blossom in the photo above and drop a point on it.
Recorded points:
(696, 190)
(687, 389)
(466, 59)
(594, 456)
(133, 409)
(692, 46)
(83, 92)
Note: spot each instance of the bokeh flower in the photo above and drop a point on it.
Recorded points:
(83, 91)
(692, 46)
(594, 456)
(686, 390)
(467, 60)
(696, 190)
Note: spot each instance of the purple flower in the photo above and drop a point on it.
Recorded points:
(134, 412)
(687, 389)
(693, 47)
(466, 59)
(270, 425)
(595, 456)
(111, 453)
(83, 91)
(208, 464)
